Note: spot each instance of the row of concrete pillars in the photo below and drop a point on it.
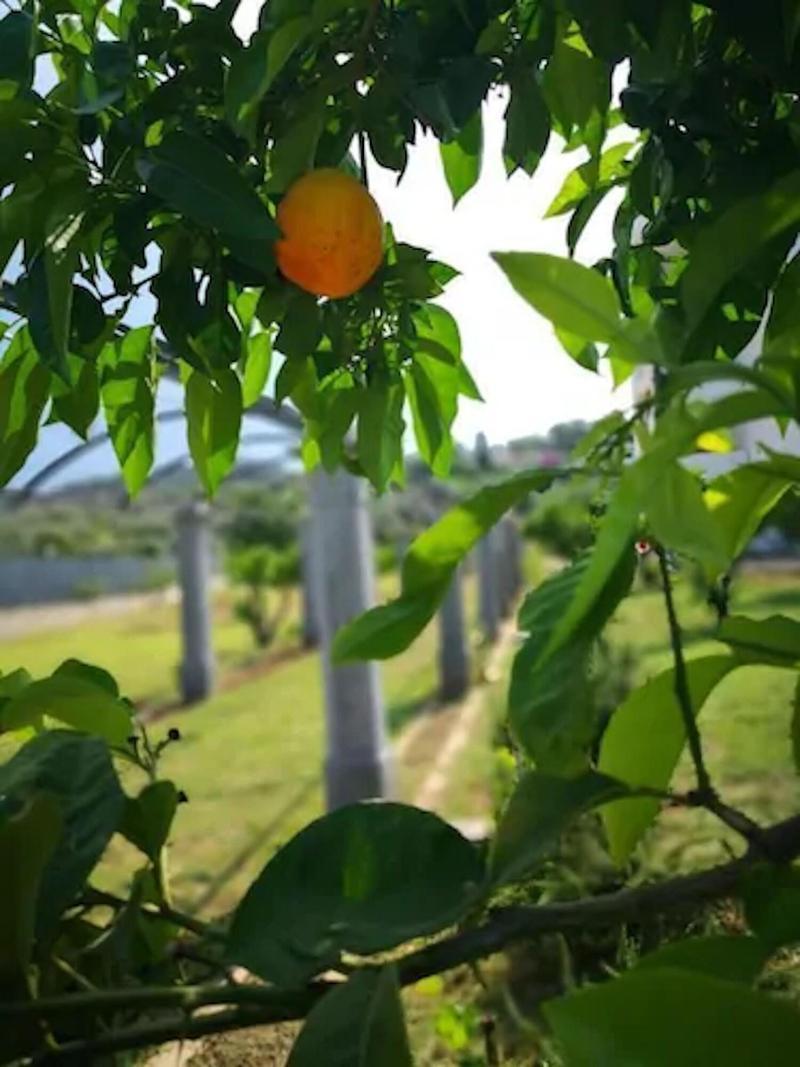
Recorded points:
(338, 584)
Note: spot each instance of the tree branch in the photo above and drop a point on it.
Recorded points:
(682, 691)
(253, 1005)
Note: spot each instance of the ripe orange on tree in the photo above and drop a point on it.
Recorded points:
(332, 230)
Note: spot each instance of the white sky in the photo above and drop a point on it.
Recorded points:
(527, 380)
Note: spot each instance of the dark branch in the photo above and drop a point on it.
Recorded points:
(682, 691)
(258, 1005)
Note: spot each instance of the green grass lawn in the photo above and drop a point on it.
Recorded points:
(745, 724)
(250, 758)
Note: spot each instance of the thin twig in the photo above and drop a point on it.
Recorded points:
(682, 691)
(99, 898)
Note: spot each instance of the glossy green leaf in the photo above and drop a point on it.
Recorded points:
(28, 837)
(17, 49)
(740, 500)
(432, 389)
(775, 640)
(147, 818)
(577, 88)
(462, 158)
(550, 702)
(662, 1017)
(77, 406)
(578, 183)
(360, 1024)
(73, 700)
(540, 809)
(683, 379)
(734, 959)
(380, 431)
(728, 244)
(128, 398)
(77, 770)
(195, 178)
(256, 67)
(293, 153)
(362, 879)
(50, 280)
(429, 565)
(24, 389)
(213, 422)
(643, 743)
(527, 123)
(573, 297)
(258, 361)
(771, 896)
(680, 519)
(614, 539)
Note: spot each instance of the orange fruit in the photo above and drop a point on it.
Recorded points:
(332, 230)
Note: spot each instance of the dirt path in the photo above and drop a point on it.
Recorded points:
(35, 618)
(432, 789)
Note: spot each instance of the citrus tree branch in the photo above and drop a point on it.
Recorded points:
(682, 692)
(250, 1005)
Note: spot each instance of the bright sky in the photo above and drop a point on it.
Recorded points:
(527, 380)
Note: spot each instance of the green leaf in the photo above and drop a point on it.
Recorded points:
(127, 394)
(577, 88)
(24, 389)
(256, 368)
(294, 151)
(255, 68)
(73, 700)
(740, 500)
(644, 741)
(360, 1024)
(363, 879)
(77, 405)
(77, 770)
(727, 245)
(147, 819)
(795, 727)
(579, 182)
(550, 702)
(213, 423)
(582, 351)
(663, 1017)
(50, 277)
(432, 388)
(27, 840)
(301, 326)
(462, 158)
(679, 518)
(774, 641)
(683, 379)
(771, 896)
(734, 959)
(17, 49)
(429, 565)
(527, 123)
(614, 539)
(573, 297)
(195, 178)
(380, 430)
(540, 809)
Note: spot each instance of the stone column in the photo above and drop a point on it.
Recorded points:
(194, 572)
(357, 764)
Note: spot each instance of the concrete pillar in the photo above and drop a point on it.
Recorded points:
(488, 599)
(357, 764)
(454, 673)
(310, 588)
(194, 572)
